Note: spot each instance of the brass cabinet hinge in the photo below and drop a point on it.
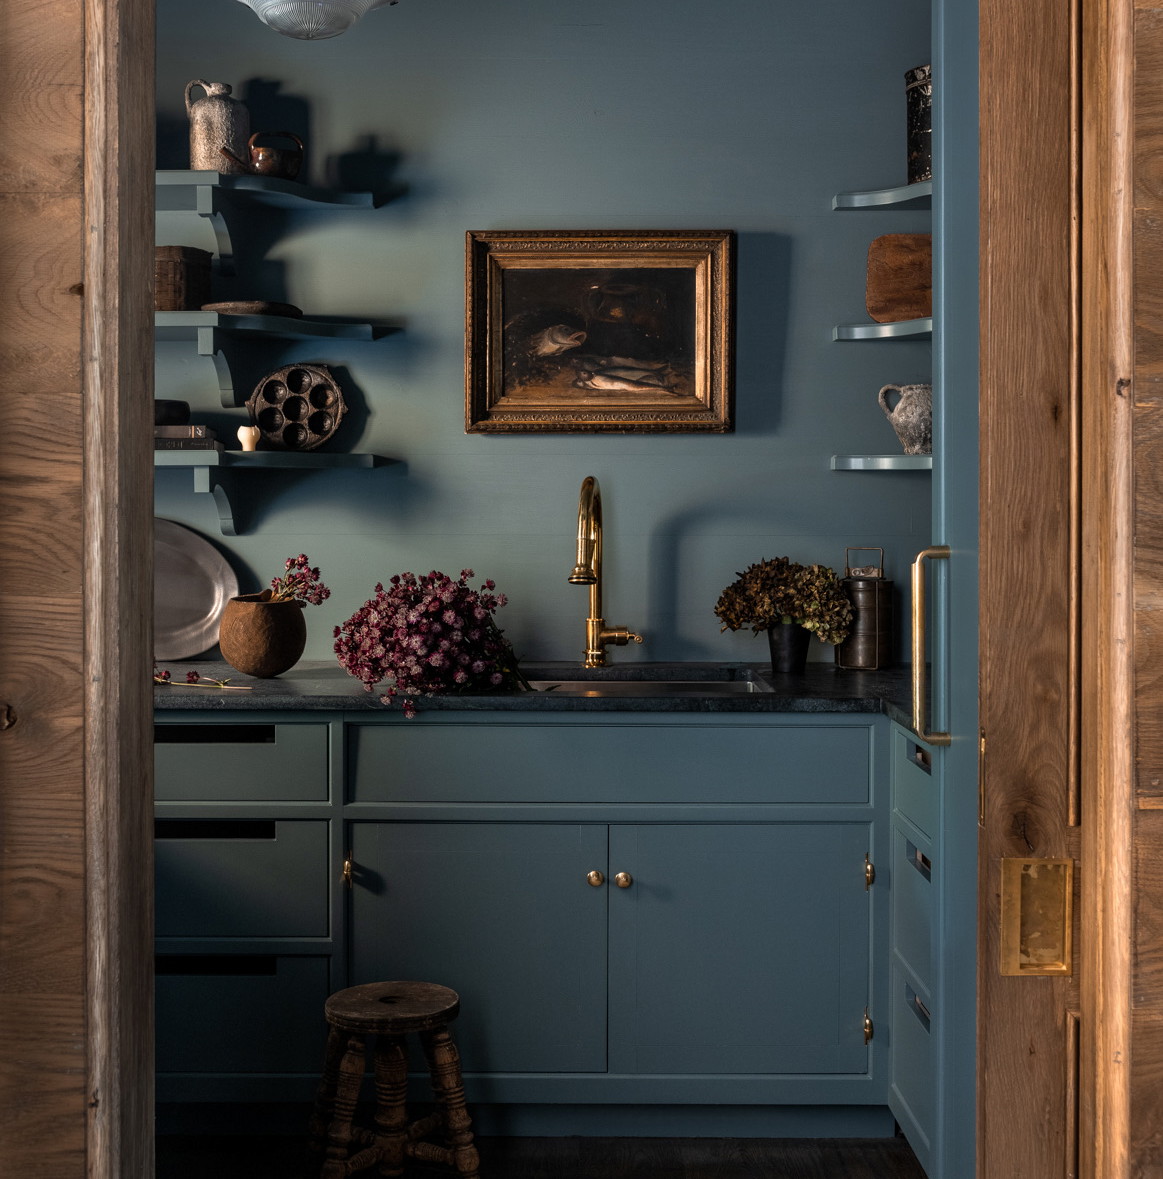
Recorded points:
(867, 1027)
(869, 873)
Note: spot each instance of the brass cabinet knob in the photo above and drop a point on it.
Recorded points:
(623, 880)
(595, 878)
(348, 871)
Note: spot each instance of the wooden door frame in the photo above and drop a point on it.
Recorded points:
(117, 567)
(1058, 369)
(117, 564)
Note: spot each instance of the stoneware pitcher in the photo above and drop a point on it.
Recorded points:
(217, 121)
(911, 416)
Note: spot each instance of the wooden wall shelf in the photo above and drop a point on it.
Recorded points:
(908, 329)
(905, 196)
(882, 462)
(212, 194)
(213, 470)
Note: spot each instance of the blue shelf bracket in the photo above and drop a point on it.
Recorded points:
(207, 206)
(210, 341)
(208, 481)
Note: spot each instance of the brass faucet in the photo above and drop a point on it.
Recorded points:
(588, 571)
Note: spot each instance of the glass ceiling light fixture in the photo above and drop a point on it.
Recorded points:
(312, 20)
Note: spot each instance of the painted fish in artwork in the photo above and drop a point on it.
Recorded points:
(553, 341)
(622, 380)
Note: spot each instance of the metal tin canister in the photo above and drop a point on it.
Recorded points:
(919, 114)
(869, 642)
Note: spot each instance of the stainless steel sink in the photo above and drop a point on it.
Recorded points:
(743, 685)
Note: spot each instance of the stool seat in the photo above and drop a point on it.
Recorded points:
(378, 1015)
(392, 1008)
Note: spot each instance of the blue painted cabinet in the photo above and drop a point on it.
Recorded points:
(243, 865)
(636, 909)
(705, 950)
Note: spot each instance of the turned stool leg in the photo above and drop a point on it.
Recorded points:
(339, 1135)
(391, 1065)
(325, 1094)
(448, 1085)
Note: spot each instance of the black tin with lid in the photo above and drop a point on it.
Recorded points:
(868, 646)
(919, 113)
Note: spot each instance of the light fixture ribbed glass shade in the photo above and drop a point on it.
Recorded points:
(312, 20)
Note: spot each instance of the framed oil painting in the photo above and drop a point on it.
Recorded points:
(589, 331)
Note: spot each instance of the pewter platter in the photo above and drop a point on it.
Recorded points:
(192, 582)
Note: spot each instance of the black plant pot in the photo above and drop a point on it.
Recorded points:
(789, 647)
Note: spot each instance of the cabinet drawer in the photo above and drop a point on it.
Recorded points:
(914, 790)
(412, 761)
(241, 878)
(913, 1086)
(231, 1013)
(240, 763)
(912, 906)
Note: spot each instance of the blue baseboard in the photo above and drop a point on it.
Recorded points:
(586, 1121)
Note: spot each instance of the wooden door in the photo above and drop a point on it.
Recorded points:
(75, 989)
(1071, 512)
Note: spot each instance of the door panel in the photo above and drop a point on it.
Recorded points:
(784, 904)
(503, 914)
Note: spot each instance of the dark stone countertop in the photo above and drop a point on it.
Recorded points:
(325, 686)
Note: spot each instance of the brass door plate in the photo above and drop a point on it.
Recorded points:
(1037, 916)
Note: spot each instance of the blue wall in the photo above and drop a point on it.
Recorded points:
(507, 114)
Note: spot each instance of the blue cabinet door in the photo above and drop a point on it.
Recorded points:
(504, 914)
(732, 949)
(739, 948)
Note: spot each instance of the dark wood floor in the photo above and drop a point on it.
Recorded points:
(574, 1158)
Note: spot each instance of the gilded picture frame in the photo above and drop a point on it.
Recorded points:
(592, 331)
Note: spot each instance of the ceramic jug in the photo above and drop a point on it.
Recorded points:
(911, 416)
(217, 121)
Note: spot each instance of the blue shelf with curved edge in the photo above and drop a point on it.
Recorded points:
(904, 196)
(882, 462)
(211, 194)
(209, 329)
(907, 329)
(210, 467)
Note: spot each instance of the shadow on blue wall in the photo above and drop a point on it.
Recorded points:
(762, 300)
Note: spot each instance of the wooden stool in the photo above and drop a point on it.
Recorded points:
(380, 1014)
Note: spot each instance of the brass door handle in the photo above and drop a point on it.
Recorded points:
(623, 880)
(348, 871)
(920, 687)
(595, 879)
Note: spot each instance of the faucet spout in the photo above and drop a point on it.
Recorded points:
(588, 571)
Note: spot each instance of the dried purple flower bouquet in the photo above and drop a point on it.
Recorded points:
(429, 636)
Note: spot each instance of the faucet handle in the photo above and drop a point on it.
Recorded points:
(619, 636)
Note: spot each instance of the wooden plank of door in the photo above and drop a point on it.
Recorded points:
(1028, 557)
(1106, 61)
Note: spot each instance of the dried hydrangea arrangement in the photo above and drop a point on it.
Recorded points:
(429, 636)
(780, 591)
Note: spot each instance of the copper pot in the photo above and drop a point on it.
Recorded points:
(283, 162)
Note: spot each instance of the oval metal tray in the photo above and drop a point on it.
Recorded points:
(192, 584)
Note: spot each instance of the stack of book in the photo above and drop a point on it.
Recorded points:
(185, 438)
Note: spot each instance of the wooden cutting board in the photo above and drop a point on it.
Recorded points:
(900, 277)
